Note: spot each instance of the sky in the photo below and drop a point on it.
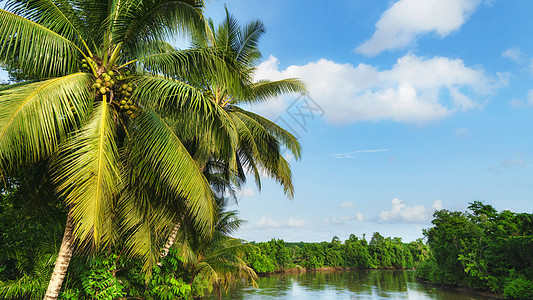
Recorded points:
(413, 106)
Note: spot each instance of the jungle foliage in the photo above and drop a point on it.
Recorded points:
(355, 252)
(481, 249)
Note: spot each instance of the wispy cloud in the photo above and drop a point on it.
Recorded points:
(266, 222)
(353, 154)
(346, 204)
(344, 219)
(518, 161)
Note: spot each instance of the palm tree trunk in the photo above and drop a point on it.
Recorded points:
(62, 261)
(170, 241)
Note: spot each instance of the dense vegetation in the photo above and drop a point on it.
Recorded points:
(381, 252)
(482, 249)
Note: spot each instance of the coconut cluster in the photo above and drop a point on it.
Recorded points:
(119, 88)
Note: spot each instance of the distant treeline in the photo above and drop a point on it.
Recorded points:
(355, 252)
(481, 249)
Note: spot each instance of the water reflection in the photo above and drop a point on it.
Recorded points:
(374, 284)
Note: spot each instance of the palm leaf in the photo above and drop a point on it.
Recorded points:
(58, 16)
(89, 176)
(155, 20)
(35, 117)
(286, 138)
(160, 159)
(37, 49)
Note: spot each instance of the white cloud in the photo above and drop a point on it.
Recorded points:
(344, 219)
(265, 222)
(353, 154)
(248, 192)
(346, 204)
(414, 90)
(359, 217)
(461, 132)
(513, 54)
(518, 161)
(410, 214)
(403, 22)
(519, 103)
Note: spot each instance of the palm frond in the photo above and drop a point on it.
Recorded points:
(286, 138)
(89, 176)
(155, 20)
(264, 90)
(35, 117)
(161, 160)
(248, 52)
(37, 49)
(58, 16)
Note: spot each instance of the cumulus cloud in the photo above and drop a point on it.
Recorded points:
(346, 204)
(344, 219)
(266, 222)
(406, 20)
(415, 90)
(400, 212)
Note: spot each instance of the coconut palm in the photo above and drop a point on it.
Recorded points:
(217, 258)
(259, 140)
(104, 87)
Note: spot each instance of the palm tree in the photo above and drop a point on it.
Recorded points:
(258, 139)
(219, 257)
(104, 87)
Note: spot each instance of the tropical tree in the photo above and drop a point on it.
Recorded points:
(219, 257)
(258, 141)
(104, 88)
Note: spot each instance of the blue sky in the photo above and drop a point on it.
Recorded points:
(418, 105)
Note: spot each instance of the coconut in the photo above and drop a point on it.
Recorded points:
(124, 86)
(126, 106)
(110, 73)
(102, 90)
(97, 85)
(130, 89)
(122, 102)
(98, 80)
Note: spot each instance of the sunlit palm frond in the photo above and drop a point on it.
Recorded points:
(161, 160)
(58, 16)
(38, 50)
(89, 176)
(247, 52)
(35, 117)
(265, 90)
(161, 93)
(285, 137)
(157, 19)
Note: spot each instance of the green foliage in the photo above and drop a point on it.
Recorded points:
(482, 249)
(518, 288)
(277, 255)
(99, 281)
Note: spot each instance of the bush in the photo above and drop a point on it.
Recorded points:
(518, 288)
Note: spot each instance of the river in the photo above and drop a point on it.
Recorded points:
(373, 284)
